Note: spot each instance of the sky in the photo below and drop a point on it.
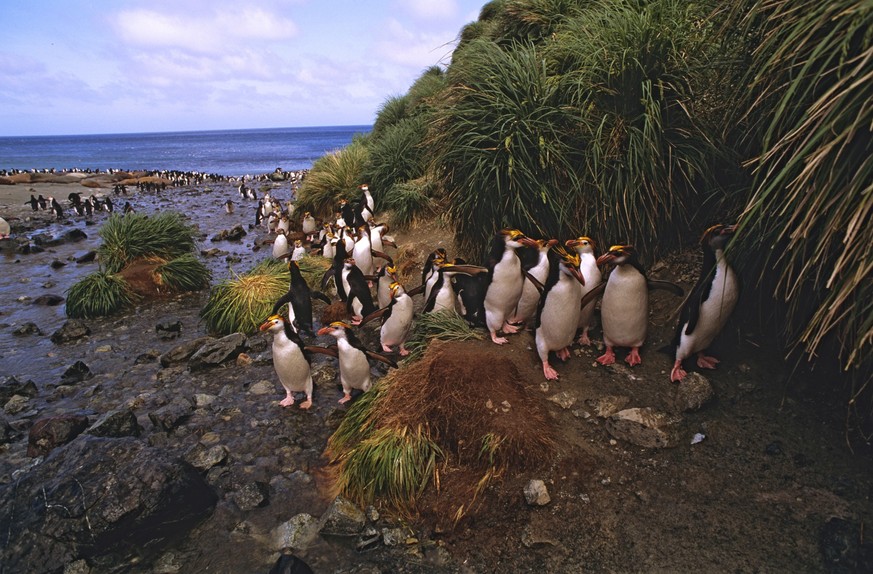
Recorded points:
(129, 66)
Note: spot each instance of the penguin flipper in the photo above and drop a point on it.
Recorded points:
(666, 286)
(536, 282)
(286, 298)
(384, 256)
(374, 315)
(593, 294)
(320, 296)
(326, 278)
(380, 357)
(416, 290)
(331, 351)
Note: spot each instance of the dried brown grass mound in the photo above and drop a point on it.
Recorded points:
(475, 404)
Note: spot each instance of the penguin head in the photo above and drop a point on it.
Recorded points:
(618, 255)
(515, 238)
(569, 263)
(349, 262)
(717, 236)
(396, 290)
(336, 329)
(391, 271)
(273, 323)
(364, 187)
(581, 244)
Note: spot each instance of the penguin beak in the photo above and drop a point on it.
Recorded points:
(468, 269)
(527, 241)
(266, 325)
(729, 230)
(324, 331)
(605, 258)
(577, 274)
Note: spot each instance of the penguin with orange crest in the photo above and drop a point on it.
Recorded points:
(505, 282)
(558, 311)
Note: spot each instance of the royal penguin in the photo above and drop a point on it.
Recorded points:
(284, 223)
(386, 275)
(470, 289)
(710, 304)
(430, 272)
(281, 250)
(299, 251)
(367, 198)
(442, 294)
(299, 298)
(308, 224)
(506, 282)
(228, 207)
(56, 208)
(531, 292)
(624, 310)
(396, 320)
(585, 248)
(336, 270)
(557, 314)
(291, 361)
(359, 300)
(354, 364)
(34, 204)
(329, 248)
(363, 252)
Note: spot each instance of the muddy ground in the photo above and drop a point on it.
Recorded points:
(774, 485)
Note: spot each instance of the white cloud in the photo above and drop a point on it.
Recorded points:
(431, 9)
(407, 47)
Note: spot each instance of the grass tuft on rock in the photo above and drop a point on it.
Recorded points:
(241, 303)
(134, 235)
(99, 294)
(184, 273)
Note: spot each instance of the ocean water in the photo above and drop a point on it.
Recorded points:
(222, 152)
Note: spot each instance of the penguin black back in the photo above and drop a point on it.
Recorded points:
(290, 564)
(551, 280)
(358, 289)
(299, 296)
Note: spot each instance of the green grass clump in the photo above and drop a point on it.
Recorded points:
(241, 303)
(392, 464)
(333, 176)
(409, 200)
(444, 325)
(184, 273)
(134, 235)
(99, 294)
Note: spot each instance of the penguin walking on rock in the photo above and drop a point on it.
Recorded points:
(624, 310)
(710, 304)
(505, 282)
(585, 248)
(354, 364)
(291, 361)
(359, 300)
(558, 312)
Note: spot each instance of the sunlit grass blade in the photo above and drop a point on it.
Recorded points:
(97, 295)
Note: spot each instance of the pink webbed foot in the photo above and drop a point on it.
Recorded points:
(563, 354)
(583, 339)
(387, 349)
(550, 373)
(356, 320)
(287, 401)
(510, 329)
(607, 358)
(498, 340)
(306, 404)
(705, 362)
(633, 358)
(346, 398)
(678, 373)
(403, 351)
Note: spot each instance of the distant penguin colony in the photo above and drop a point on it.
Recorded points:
(544, 285)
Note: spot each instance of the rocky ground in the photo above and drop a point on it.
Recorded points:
(749, 469)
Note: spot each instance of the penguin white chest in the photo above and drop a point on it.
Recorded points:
(354, 367)
(715, 311)
(591, 274)
(290, 364)
(396, 329)
(445, 297)
(624, 310)
(559, 316)
(505, 288)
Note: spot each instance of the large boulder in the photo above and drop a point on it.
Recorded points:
(101, 499)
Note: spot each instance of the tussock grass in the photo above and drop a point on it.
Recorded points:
(184, 273)
(409, 200)
(98, 294)
(445, 326)
(134, 235)
(242, 302)
(333, 176)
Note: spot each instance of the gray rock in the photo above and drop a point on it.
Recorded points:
(16, 404)
(202, 400)
(263, 387)
(692, 393)
(77, 567)
(170, 416)
(608, 405)
(394, 536)
(25, 329)
(117, 423)
(51, 432)
(76, 373)
(216, 351)
(564, 399)
(86, 257)
(103, 499)
(252, 495)
(536, 493)
(644, 427)
(12, 386)
(342, 518)
(296, 533)
(182, 352)
(169, 329)
(204, 458)
(72, 330)
(48, 299)
(7, 433)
